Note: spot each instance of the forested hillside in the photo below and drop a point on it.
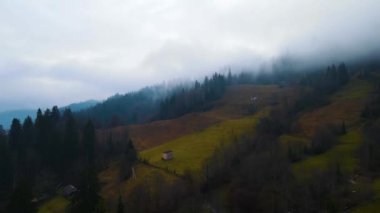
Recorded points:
(298, 141)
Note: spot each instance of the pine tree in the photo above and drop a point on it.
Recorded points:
(6, 177)
(229, 76)
(21, 199)
(2, 131)
(89, 141)
(128, 160)
(38, 125)
(87, 199)
(131, 152)
(28, 132)
(55, 114)
(70, 139)
(15, 135)
(343, 74)
(120, 205)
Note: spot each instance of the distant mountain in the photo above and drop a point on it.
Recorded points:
(7, 116)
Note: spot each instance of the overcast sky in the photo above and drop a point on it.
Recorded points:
(58, 52)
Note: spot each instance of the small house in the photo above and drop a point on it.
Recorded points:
(69, 190)
(167, 155)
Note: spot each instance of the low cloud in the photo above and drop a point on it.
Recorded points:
(62, 52)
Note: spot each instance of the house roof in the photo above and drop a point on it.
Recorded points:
(69, 189)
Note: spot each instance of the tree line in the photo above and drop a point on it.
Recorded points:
(38, 156)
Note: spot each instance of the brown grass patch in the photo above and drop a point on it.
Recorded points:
(146, 136)
(335, 113)
(347, 105)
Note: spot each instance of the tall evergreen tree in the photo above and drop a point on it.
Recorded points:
(6, 177)
(88, 200)
(38, 125)
(89, 141)
(120, 205)
(21, 199)
(55, 114)
(343, 73)
(229, 76)
(130, 151)
(15, 135)
(2, 131)
(28, 132)
(128, 160)
(71, 139)
(24, 154)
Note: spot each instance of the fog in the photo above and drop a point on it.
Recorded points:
(59, 52)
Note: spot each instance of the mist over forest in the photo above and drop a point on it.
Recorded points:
(62, 55)
(189, 106)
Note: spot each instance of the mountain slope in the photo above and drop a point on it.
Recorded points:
(192, 137)
(236, 103)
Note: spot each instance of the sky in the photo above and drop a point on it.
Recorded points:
(65, 51)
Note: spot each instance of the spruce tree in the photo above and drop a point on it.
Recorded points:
(343, 74)
(70, 139)
(28, 132)
(6, 177)
(128, 160)
(21, 199)
(120, 205)
(55, 114)
(89, 141)
(15, 135)
(87, 199)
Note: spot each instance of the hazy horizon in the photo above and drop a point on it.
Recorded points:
(57, 53)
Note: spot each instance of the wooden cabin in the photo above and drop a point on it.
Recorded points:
(167, 155)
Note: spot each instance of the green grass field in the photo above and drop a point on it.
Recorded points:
(372, 206)
(192, 150)
(343, 153)
(57, 204)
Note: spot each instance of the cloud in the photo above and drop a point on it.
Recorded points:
(87, 49)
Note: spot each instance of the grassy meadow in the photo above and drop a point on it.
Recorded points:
(190, 151)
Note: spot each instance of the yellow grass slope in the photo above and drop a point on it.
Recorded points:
(57, 204)
(192, 150)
